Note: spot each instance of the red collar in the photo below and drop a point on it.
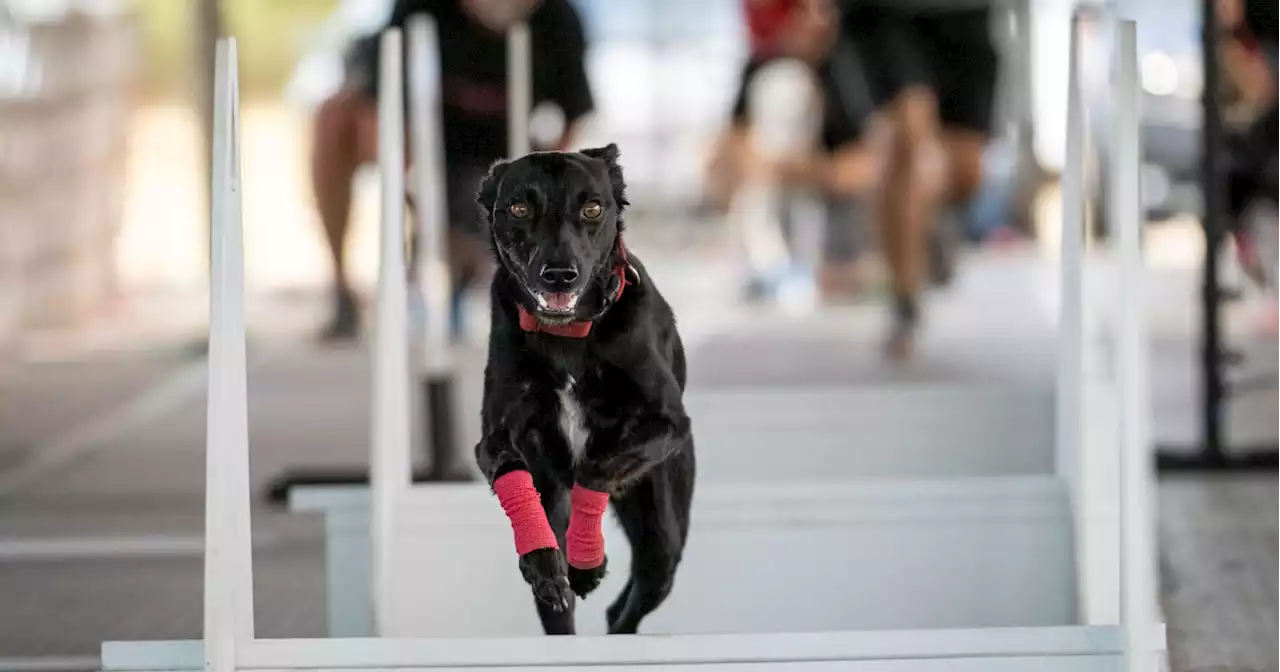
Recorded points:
(530, 323)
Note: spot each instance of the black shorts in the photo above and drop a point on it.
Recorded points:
(950, 52)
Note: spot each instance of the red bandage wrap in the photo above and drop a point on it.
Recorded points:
(585, 539)
(523, 505)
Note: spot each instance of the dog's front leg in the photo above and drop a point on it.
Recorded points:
(614, 460)
(541, 563)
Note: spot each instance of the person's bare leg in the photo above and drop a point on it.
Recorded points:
(964, 162)
(907, 207)
(337, 151)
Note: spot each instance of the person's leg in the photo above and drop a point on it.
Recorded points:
(908, 206)
(964, 149)
(338, 148)
(898, 74)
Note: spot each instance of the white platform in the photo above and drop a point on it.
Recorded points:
(849, 434)
(761, 558)
(1064, 649)
(907, 430)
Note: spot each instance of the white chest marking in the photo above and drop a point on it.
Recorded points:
(571, 422)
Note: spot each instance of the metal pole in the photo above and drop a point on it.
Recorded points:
(1212, 386)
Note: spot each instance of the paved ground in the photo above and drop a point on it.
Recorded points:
(100, 527)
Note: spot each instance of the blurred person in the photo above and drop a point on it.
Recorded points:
(1248, 45)
(839, 166)
(472, 38)
(932, 69)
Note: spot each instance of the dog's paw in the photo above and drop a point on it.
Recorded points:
(547, 573)
(583, 581)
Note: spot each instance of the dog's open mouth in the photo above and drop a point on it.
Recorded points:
(556, 306)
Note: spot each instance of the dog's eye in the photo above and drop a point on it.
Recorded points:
(592, 210)
(519, 210)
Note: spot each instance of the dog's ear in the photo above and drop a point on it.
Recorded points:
(609, 155)
(487, 193)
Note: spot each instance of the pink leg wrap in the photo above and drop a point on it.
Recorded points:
(585, 539)
(523, 505)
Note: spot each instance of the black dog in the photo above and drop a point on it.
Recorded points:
(583, 394)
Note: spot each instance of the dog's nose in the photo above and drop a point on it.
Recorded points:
(559, 275)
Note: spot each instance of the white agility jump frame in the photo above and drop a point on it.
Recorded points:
(941, 464)
(229, 642)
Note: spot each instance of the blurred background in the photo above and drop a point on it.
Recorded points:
(103, 291)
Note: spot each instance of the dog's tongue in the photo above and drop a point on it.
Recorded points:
(560, 300)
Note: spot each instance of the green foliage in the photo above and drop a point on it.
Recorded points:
(272, 35)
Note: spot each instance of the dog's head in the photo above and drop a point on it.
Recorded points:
(554, 219)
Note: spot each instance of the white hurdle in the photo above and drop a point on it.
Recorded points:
(390, 450)
(229, 643)
(422, 525)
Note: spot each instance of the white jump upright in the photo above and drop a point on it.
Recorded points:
(391, 462)
(1137, 548)
(519, 89)
(1087, 417)
(426, 133)
(228, 558)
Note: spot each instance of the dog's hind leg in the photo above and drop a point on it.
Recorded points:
(556, 504)
(654, 513)
(614, 611)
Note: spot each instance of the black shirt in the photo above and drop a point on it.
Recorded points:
(473, 67)
(1260, 18)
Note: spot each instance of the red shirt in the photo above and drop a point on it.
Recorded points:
(765, 19)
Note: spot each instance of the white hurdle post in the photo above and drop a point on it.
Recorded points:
(519, 89)
(1086, 415)
(1137, 548)
(228, 560)
(426, 133)
(390, 459)
(1071, 333)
